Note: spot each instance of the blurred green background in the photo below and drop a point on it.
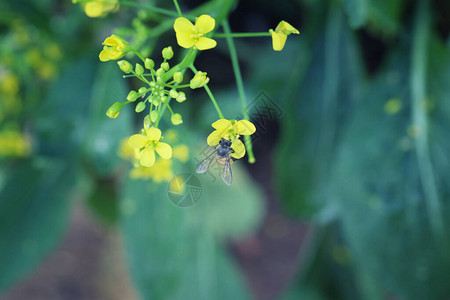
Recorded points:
(349, 196)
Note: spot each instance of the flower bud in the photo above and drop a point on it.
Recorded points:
(114, 110)
(181, 97)
(156, 101)
(153, 116)
(167, 53)
(173, 93)
(165, 66)
(140, 107)
(160, 72)
(163, 99)
(199, 80)
(149, 63)
(142, 90)
(159, 80)
(176, 119)
(139, 70)
(132, 96)
(125, 66)
(147, 121)
(178, 77)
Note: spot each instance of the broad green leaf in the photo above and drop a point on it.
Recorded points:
(385, 210)
(313, 118)
(73, 118)
(103, 200)
(104, 134)
(62, 118)
(380, 15)
(34, 209)
(176, 253)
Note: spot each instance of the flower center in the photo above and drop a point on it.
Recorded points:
(196, 35)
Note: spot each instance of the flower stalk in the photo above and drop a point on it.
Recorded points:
(240, 87)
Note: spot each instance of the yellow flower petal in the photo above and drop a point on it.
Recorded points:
(114, 41)
(222, 124)
(286, 28)
(244, 127)
(239, 149)
(113, 54)
(205, 24)
(278, 40)
(214, 138)
(183, 25)
(147, 158)
(205, 43)
(164, 150)
(138, 141)
(153, 134)
(105, 55)
(93, 9)
(185, 40)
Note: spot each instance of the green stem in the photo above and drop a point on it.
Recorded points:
(178, 8)
(168, 106)
(213, 100)
(138, 55)
(141, 77)
(240, 87)
(151, 107)
(161, 109)
(211, 96)
(178, 86)
(241, 34)
(331, 76)
(419, 118)
(187, 61)
(149, 7)
(127, 76)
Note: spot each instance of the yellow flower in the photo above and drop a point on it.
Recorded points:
(114, 48)
(177, 185)
(14, 144)
(181, 152)
(190, 35)
(9, 84)
(231, 130)
(199, 80)
(99, 8)
(160, 171)
(147, 144)
(126, 151)
(279, 35)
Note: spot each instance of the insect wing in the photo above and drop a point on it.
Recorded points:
(227, 176)
(203, 166)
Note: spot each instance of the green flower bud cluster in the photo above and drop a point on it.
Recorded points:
(160, 89)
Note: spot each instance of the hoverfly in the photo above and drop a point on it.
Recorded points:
(222, 154)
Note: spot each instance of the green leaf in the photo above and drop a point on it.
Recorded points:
(104, 134)
(314, 114)
(176, 253)
(61, 123)
(103, 201)
(34, 209)
(379, 15)
(72, 119)
(384, 208)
